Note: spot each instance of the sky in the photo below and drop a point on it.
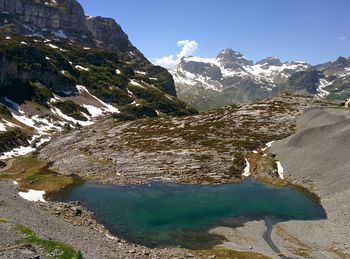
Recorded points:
(315, 31)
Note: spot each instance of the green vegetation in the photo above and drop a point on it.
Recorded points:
(123, 117)
(31, 173)
(12, 138)
(4, 111)
(238, 165)
(64, 251)
(72, 109)
(140, 111)
(158, 101)
(38, 70)
(222, 253)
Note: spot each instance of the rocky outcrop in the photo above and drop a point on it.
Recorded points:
(270, 61)
(229, 58)
(107, 33)
(66, 15)
(63, 19)
(15, 77)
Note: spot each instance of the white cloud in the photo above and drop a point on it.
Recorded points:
(188, 48)
(342, 38)
(167, 62)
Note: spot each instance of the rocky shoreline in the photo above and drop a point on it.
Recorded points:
(72, 224)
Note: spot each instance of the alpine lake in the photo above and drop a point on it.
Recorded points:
(171, 215)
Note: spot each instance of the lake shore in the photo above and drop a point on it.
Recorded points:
(59, 221)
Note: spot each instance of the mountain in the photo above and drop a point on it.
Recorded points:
(60, 69)
(208, 83)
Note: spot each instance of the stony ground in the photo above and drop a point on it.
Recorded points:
(208, 148)
(318, 154)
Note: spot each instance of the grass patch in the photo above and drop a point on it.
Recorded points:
(12, 138)
(64, 251)
(35, 174)
(4, 111)
(2, 220)
(222, 253)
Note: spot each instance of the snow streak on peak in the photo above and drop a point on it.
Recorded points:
(209, 72)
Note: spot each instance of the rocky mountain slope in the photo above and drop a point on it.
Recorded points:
(208, 83)
(60, 69)
(207, 148)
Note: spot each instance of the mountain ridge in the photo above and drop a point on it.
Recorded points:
(208, 83)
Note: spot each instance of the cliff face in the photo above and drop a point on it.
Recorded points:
(63, 19)
(107, 33)
(67, 15)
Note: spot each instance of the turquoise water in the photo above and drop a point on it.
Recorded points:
(159, 215)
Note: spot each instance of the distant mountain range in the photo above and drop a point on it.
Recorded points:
(208, 83)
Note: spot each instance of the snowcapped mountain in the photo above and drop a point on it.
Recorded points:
(207, 83)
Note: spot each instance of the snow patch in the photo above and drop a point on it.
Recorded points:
(81, 68)
(2, 127)
(58, 112)
(321, 92)
(141, 73)
(53, 46)
(268, 145)
(59, 34)
(108, 107)
(94, 111)
(33, 195)
(246, 172)
(136, 84)
(20, 151)
(280, 170)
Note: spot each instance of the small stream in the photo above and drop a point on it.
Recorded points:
(163, 214)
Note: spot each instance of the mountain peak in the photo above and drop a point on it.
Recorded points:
(229, 53)
(342, 62)
(270, 61)
(230, 58)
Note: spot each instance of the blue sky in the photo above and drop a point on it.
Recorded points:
(315, 31)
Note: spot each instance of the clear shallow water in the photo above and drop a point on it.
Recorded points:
(160, 215)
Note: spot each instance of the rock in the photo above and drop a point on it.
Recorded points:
(212, 257)
(107, 33)
(65, 15)
(77, 211)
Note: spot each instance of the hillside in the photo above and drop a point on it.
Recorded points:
(60, 69)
